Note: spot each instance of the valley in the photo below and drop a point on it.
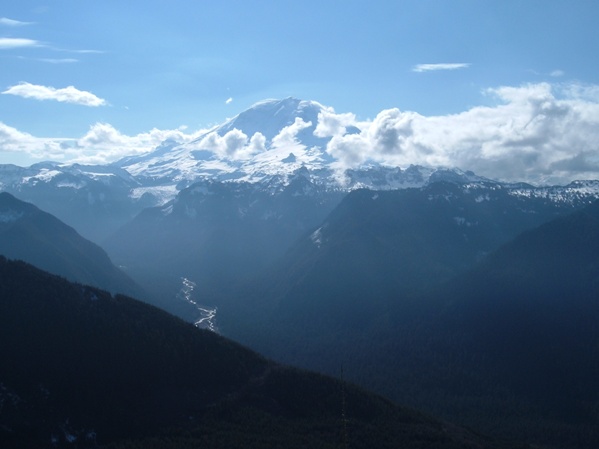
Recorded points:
(468, 298)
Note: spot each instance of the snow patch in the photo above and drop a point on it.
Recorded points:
(162, 194)
(44, 175)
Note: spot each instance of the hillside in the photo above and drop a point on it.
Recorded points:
(507, 346)
(37, 237)
(378, 246)
(82, 368)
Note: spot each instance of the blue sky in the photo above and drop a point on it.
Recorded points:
(141, 67)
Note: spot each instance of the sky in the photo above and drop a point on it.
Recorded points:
(467, 83)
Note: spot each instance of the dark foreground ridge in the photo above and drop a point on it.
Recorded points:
(82, 368)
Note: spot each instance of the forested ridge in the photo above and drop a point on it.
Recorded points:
(508, 347)
(83, 368)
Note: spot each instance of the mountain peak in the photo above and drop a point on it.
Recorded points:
(289, 102)
(269, 117)
(290, 158)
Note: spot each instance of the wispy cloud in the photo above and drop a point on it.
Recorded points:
(440, 66)
(17, 42)
(7, 43)
(557, 73)
(82, 52)
(59, 60)
(13, 23)
(67, 95)
(229, 100)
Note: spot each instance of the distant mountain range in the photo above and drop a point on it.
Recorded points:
(379, 245)
(97, 200)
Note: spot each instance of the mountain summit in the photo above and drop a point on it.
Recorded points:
(269, 117)
(254, 145)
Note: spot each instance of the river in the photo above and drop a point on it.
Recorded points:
(207, 315)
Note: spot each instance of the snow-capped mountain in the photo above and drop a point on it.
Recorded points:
(266, 146)
(95, 200)
(272, 138)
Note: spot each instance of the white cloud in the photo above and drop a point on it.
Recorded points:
(101, 144)
(104, 143)
(9, 43)
(582, 92)
(229, 100)
(13, 23)
(557, 73)
(441, 66)
(17, 42)
(86, 52)
(15, 141)
(331, 124)
(59, 61)
(67, 95)
(535, 132)
(386, 138)
(257, 144)
(287, 137)
(234, 145)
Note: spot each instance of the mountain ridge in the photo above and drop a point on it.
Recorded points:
(30, 234)
(509, 343)
(265, 145)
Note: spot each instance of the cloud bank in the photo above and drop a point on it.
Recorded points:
(540, 133)
(66, 95)
(101, 144)
(536, 132)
